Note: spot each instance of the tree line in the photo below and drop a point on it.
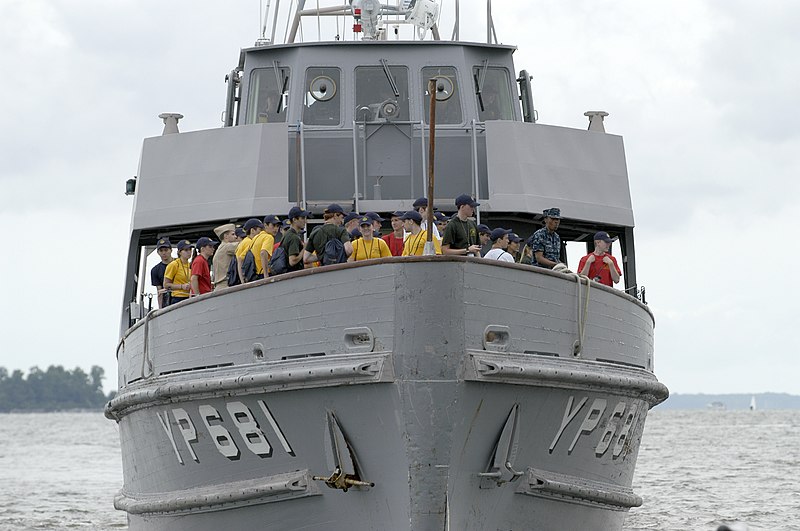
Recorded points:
(55, 389)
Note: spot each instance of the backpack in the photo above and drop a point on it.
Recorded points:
(233, 273)
(249, 267)
(279, 263)
(334, 252)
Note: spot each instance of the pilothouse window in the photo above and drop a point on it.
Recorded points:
(448, 102)
(322, 101)
(493, 93)
(269, 89)
(382, 93)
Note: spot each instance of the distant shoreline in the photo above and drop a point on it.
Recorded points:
(732, 401)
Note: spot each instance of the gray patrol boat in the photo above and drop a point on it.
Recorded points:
(421, 393)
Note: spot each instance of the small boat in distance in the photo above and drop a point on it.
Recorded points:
(753, 403)
(421, 393)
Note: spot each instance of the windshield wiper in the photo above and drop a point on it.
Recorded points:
(479, 82)
(390, 78)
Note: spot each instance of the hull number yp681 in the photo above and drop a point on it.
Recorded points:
(245, 426)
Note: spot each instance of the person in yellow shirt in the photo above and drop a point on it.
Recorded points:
(252, 228)
(415, 241)
(271, 226)
(178, 275)
(368, 246)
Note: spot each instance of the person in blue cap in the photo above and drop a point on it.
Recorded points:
(164, 250)
(461, 235)
(513, 246)
(484, 234)
(396, 239)
(421, 206)
(498, 251)
(292, 243)
(545, 242)
(331, 229)
(599, 265)
(441, 221)
(415, 241)
(272, 225)
(368, 246)
(201, 272)
(351, 222)
(177, 277)
(376, 223)
(252, 228)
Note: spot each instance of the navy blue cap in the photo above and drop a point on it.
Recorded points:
(334, 208)
(602, 235)
(513, 238)
(440, 216)
(251, 224)
(202, 242)
(554, 213)
(374, 217)
(398, 214)
(421, 202)
(286, 223)
(484, 229)
(499, 233)
(465, 199)
(163, 242)
(275, 220)
(355, 233)
(297, 212)
(413, 215)
(351, 216)
(183, 244)
(240, 233)
(364, 220)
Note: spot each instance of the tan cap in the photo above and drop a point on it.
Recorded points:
(222, 229)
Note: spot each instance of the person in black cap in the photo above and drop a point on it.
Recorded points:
(499, 239)
(396, 239)
(416, 238)
(441, 221)
(513, 246)
(461, 235)
(201, 273)
(292, 243)
(164, 250)
(321, 235)
(252, 227)
(376, 223)
(599, 265)
(368, 246)
(421, 206)
(545, 242)
(267, 245)
(178, 274)
(484, 234)
(351, 222)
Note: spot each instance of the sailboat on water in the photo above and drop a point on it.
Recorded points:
(753, 403)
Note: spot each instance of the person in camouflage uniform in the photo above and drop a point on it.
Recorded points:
(545, 242)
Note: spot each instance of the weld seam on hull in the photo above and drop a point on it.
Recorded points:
(546, 484)
(219, 497)
(270, 377)
(572, 374)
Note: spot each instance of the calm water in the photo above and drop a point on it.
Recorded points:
(696, 469)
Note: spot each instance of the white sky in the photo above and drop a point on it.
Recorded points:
(701, 91)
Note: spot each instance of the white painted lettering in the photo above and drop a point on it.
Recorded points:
(611, 428)
(186, 427)
(626, 429)
(590, 422)
(275, 428)
(221, 437)
(168, 429)
(248, 428)
(569, 414)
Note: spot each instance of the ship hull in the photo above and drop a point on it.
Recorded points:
(439, 392)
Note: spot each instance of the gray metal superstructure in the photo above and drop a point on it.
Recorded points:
(416, 393)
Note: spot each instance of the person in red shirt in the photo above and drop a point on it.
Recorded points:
(599, 265)
(395, 239)
(201, 274)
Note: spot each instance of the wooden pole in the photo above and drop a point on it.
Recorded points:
(431, 154)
